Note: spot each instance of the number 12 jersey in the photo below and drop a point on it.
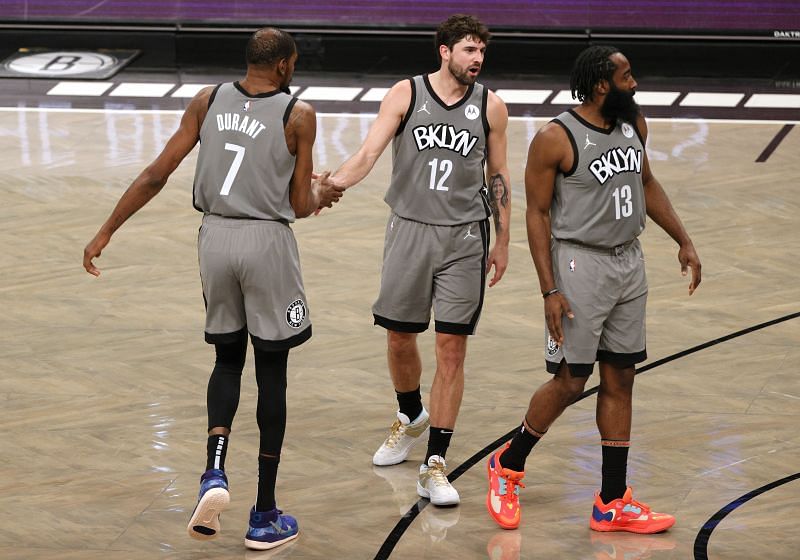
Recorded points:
(439, 152)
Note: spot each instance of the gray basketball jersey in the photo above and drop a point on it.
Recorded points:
(439, 153)
(244, 167)
(600, 201)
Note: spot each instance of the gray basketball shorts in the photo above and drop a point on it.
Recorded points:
(424, 266)
(250, 271)
(607, 291)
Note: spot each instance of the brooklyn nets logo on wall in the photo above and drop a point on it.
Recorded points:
(40, 63)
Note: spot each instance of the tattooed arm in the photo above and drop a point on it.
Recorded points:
(499, 186)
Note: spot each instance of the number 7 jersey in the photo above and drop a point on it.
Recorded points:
(244, 168)
(439, 152)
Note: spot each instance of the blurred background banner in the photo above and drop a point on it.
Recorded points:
(779, 19)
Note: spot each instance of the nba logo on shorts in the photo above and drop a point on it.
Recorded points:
(295, 313)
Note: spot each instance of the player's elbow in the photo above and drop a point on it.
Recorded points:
(153, 179)
(303, 213)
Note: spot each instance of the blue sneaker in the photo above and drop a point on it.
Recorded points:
(212, 500)
(269, 529)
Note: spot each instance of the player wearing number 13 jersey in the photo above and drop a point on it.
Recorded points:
(253, 178)
(449, 135)
(589, 187)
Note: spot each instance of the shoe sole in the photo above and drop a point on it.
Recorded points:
(502, 525)
(425, 494)
(400, 458)
(204, 523)
(260, 545)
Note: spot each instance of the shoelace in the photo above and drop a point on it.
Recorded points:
(437, 474)
(644, 507)
(511, 484)
(397, 432)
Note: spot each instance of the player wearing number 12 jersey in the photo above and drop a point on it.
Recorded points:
(449, 135)
(253, 178)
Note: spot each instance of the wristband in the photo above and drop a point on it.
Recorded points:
(550, 293)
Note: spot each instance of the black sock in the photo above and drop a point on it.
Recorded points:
(438, 442)
(615, 470)
(271, 419)
(267, 475)
(514, 457)
(216, 449)
(410, 403)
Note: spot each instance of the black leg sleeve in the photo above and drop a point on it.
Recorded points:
(225, 382)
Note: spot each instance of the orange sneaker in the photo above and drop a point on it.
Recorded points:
(502, 500)
(626, 514)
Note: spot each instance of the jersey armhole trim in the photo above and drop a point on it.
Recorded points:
(212, 96)
(288, 111)
(410, 110)
(639, 134)
(484, 111)
(574, 148)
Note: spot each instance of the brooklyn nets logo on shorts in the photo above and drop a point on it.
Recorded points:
(295, 313)
(552, 346)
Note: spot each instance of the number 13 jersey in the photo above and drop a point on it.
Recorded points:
(439, 152)
(600, 201)
(244, 168)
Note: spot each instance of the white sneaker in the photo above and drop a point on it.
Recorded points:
(403, 436)
(433, 483)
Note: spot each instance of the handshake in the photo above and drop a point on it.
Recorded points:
(326, 190)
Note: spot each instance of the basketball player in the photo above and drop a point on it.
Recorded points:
(253, 178)
(589, 186)
(449, 134)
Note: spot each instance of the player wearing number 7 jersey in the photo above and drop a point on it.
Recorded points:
(449, 135)
(253, 178)
(587, 203)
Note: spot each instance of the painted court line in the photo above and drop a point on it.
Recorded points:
(702, 99)
(132, 89)
(80, 88)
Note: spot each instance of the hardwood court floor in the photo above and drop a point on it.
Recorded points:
(103, 379)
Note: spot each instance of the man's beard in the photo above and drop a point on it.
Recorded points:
(620, 105)
(463, 77)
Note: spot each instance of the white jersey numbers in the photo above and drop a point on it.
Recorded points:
(234, 169)
(444, 168)
(623, 201)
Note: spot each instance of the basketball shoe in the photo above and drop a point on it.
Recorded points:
(269, 529)
(212, 500)
(502, 500)
(626, 514)
(403, 436)
(433, 483)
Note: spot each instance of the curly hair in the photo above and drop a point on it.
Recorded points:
(457, 27)
(591, 67)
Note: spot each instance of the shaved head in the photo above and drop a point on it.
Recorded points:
(268, 46)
